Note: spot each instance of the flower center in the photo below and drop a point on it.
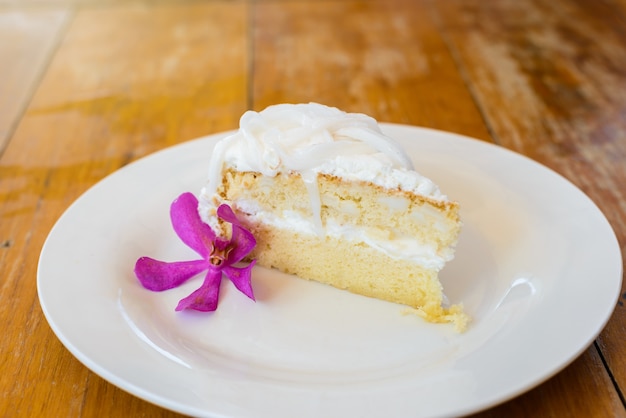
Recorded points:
(217, 256)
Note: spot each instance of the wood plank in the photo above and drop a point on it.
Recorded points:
(549, 78)
(29, 38)
(384, 59)
(126, 81)
(140, 90)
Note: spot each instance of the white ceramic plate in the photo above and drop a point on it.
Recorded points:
(538, 268)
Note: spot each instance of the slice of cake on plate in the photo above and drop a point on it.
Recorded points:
(330, 198)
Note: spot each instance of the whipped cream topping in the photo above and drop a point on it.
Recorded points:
(313, 138)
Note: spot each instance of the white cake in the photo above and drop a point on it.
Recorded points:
(330, 198)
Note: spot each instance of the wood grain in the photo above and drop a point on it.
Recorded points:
(385, 59)
(159, 76)
(29, 38)
(87, 86)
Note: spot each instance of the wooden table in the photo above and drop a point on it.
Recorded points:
(87, 86)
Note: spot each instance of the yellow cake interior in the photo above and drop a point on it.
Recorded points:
(353, 235)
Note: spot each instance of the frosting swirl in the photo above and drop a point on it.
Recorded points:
(313, 138)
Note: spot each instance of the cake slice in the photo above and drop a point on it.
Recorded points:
(330, 198)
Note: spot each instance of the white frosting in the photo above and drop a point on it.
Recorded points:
(312, 138)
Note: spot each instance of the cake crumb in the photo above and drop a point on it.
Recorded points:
(454, 315)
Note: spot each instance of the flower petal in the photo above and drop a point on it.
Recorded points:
(241, 278)
(160, 275)
(204, 298)
(188, 225)
(242, 241)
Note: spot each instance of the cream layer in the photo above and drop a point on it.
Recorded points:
(397, 246)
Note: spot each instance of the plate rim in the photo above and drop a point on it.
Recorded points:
(142, 393)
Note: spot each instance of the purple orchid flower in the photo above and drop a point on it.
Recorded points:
(218, 256)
